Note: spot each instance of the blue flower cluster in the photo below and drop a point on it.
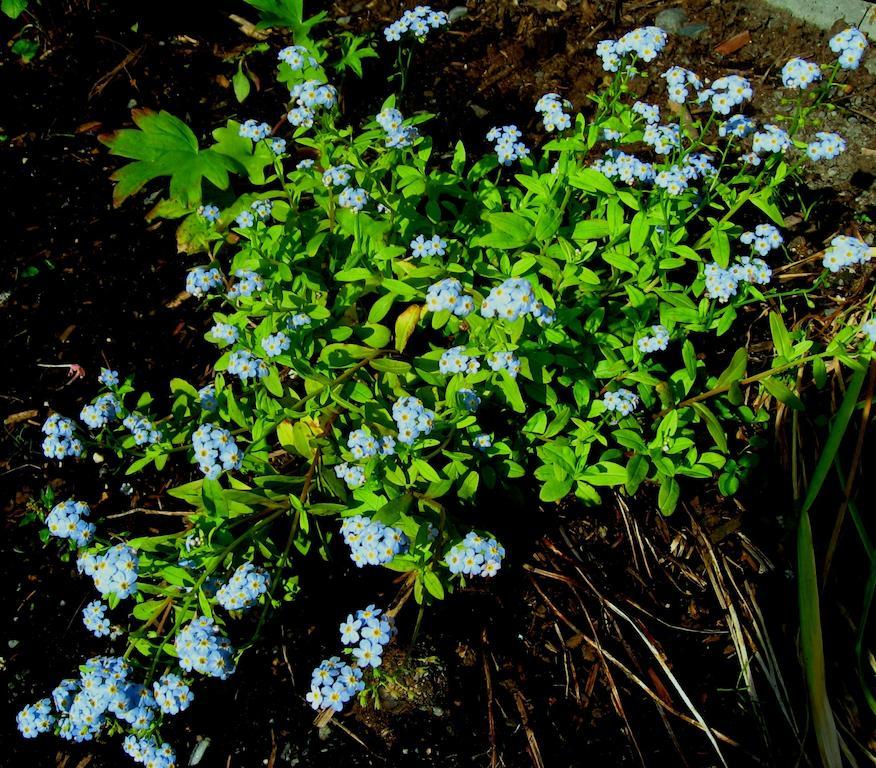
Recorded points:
(504, 361)
(254, 130)
(101, 412)
(142, 429)
(172, 695)
(243, 589)
(207, 397)
(645, 43)
(412, 418)
(201, 280)
(771, 139)
(260, 210)
(507, 144)
(372, 542)
(114, 572)
(621, 401)
(737, 126)
(248, 282)
(60, 438)
(353, 198)
(447, 294)
(433, 246)
(278, 146)
(850, 44)
(352, 475)
(726, 93)
(215, 450)
(296, 56)
(242, 364)
(482, 442)
(552, 108)
(94, 618)
(65, 521)
(826, 146)
(846, 251)
(298, 320)
(657, 340)
(515, 298)
(628, 168)
(418, 21)
(677, 81)
(209, 212)
(308, 97)
(363, 445)
(650, 113)
(454, 360)
(468, 400)
(800, 74)
(721, 283)
(203, 648)
(225, 332)
(149, 752)
(397, 133)
(35, 719)
(663, 138)
(275, 344)
(763, 239)
(475, 556)
(337, 175)
(108, 377)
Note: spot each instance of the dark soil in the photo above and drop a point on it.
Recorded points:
(517, 674)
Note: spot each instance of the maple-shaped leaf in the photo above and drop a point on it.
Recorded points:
(164, 146)
(252, 157)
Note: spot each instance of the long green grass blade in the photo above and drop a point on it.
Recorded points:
(811, 639)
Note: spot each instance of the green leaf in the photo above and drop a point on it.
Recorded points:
(240, 83)
(667, 498)
(735, 370)
(591, 229)
(25, 48)
(781, 337)
(386, 365)
(507, 231)
(781, 392)
(637, 471)
(164, 146)
(554, 490)
(214, 499)
(713, 425)
(13, 8)
(433, 584)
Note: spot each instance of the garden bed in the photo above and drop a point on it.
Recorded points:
(544, 666)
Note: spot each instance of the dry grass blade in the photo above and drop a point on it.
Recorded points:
(660, 658)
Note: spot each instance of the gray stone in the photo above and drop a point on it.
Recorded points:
(671, 19)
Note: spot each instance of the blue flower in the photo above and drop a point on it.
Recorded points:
(352, 475)
(738, 126)
(620, 401)
(726, 93)
(225, 332)
(868, 328)
(412, 419)
(649, 112)
(101, 412)
(142, 429)
(215, 450)
(663, 138)
(677, 81)
(447, 295)
(61, 440)
(353, 198)
(114, 572)
(255, 131)
(209, 212)
(368, 654)
(657, 340)
(475, 556)
(276, 344)
(468, 400)
(203, 648)
(506, 143)
(504, 361)
(800, 74)
(243, 589)
(454, 360)
(628, 168)
(108, 377)
(372, 542)
(248, 283)
(296, 56)
(763, 239)
(65, 521)
(422, 246)
(94, 618)
(482, 442)
(851, 45)
(515, 298)
(278, 146)
(826, 146)
(35, 719)
(846, 251)
(350, 630)
(337, 176)
(771, 139)
(397, 134)
(201, 279)
(551, 107)
(418, 21)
